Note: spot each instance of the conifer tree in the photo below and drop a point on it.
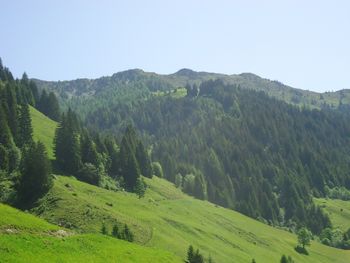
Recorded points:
(5, 133)
(12, 110)
(88, 150)
(36, 177)
(115, 231)
(67, 148)
(25, 126)
(143, 160)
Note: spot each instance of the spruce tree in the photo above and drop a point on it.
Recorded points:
(5, 133)
(25, 126)
(35, 177)
(88, 150)
(143, 160)
(66, 146)
(115, 231)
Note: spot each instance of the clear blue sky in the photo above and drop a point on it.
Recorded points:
(305, 44)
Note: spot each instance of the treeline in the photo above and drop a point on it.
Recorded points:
(244, 150)
(24, 166)
(101, 161)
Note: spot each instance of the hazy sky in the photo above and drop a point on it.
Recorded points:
(305, 44)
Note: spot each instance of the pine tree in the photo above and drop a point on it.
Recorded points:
(53, 108)
(88, 150)
(140, 188)
(12, 110)
(5, 133)
(128, 235)
(25, 126)
(35, 177)
(143, 160)
(115, 231)
(190, 254)
(128, 163)
(104, 230)
(66, 146)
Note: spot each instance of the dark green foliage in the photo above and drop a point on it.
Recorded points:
(48, 104)
(11, 106)
(143, 160)
(304, 237)
(256, 154)
(89, 153)
(25, 131)
(67, 146)
(115, 231)
(36, 177)
(157, 169)
(5, 133)
(104, 230)
(129, 165)
(285, 259)
(4, 158)
(140, 187)
(127, 234)
(194, 256)
(89, 173)
(338, 193)
(335, 238)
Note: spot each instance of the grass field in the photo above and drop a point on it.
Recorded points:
(43, 130)
(26, 238)
(170, 220)
(338, 210)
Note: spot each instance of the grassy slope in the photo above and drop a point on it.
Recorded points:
(25, 238)
(168, 219)
(43, 130)
(338, 210)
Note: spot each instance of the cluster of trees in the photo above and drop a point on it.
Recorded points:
(193, 256)
(91, 158)
(25, 171)
(124, 233)
(338, 193)
(335, 238)
(242, 149)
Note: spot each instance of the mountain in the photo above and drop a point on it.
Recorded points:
(141, 85)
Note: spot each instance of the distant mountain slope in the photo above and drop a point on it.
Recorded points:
(131, 85)
(168, 219)
(25, 238)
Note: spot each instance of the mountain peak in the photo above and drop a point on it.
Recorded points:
(186, 72)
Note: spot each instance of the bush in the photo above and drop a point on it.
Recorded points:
(157, 169)
(89, 174)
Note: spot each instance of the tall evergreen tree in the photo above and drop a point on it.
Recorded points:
(5, 133)
(143, 160)
(66, 146)
(36, 177)
(88, 150)
(25, 126)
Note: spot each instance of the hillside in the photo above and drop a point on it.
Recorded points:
(25, 238)
(87, 95)
(168, 219)
(338, 210)
(43, 130)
